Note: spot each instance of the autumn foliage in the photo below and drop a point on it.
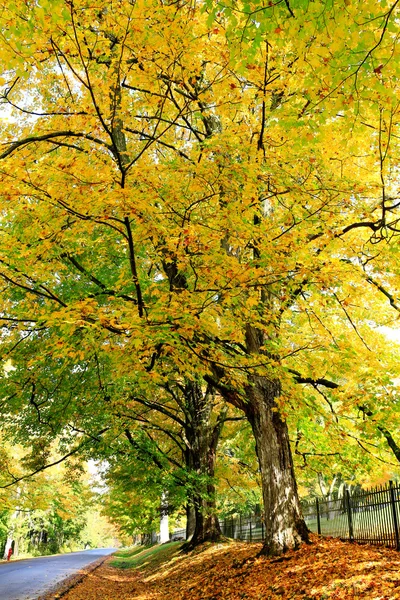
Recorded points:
(201, 197)
(325, 569)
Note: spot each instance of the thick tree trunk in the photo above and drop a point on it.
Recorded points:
(284, 524)
(202, 438)
(207, 525)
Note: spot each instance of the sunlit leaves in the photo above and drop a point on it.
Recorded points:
(170, 175)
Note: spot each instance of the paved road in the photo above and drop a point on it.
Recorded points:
(28, 579)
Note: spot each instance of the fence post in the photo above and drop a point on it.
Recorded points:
(349, 515)
(240, 526)
(262, 528)
(250, 530)
(233, 529)
(394, 513)
(318, 518)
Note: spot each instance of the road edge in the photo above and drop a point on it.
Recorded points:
(67, 584)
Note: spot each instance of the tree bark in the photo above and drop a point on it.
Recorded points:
(207, 527)
(202, 439)
(190, 521)
(285, 528)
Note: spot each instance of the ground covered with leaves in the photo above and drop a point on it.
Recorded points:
(327, 568)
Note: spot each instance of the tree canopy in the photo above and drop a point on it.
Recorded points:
(201, 194)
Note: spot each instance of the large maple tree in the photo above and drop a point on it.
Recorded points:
(197, 192)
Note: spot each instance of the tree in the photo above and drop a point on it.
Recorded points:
(200, 422)
(181, 199)
(182, 423)
(47, 513)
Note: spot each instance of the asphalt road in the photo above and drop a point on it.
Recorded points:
(28, 579)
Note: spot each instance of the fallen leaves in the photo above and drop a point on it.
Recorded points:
(326, 569)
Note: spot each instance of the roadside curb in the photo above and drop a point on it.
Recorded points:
(59, 590)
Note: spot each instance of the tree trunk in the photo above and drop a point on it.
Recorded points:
(284, 524)
(202, 439)
(285, 527)
(207, 525)
(190, 520)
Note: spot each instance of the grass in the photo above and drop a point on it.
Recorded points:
(150, 557)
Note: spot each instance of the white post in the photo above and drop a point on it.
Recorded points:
(164, 529)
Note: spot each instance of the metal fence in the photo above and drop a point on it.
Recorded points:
(371, 516)
(247, 529)
(178, 534)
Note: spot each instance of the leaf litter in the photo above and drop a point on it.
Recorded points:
(325, 569)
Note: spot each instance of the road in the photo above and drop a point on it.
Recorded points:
(28, 579)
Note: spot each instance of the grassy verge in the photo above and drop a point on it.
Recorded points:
(149, 557)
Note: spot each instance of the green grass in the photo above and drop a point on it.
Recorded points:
(129, 552)
(150, 556)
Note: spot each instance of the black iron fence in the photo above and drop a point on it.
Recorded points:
(247, 529)
(370, 516)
